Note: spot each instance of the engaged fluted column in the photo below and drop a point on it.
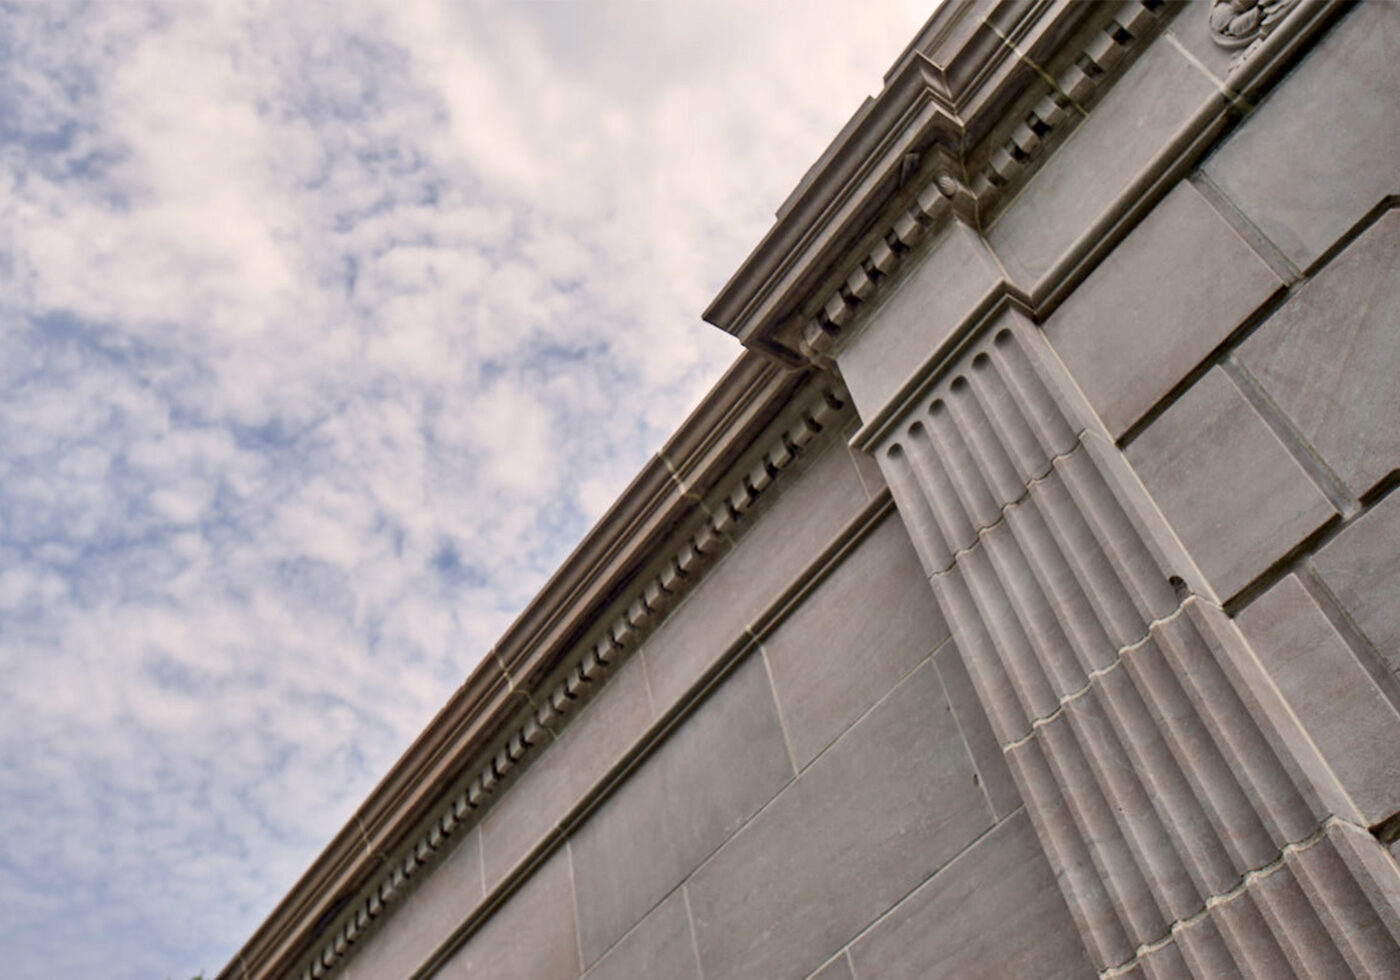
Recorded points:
(1190, 831)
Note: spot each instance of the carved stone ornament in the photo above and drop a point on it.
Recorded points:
(1237, 23)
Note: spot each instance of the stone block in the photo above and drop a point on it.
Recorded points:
(993, 774)
(1159, 303)
(1330, 358)
(712, 773)
(1225, 482)
(411, 932)
(810, 509)
(1361, 567)
(1142, 114)
(852, 640)
(566, 769)
(543, 910)
(659, 946)
(1353, 724)
(1191, 29)
(915, 316)
(1305, 193)
(870, 476)
(995, 911)
(837, 969)
(891, 802)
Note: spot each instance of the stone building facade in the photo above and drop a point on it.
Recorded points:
(1024, 602)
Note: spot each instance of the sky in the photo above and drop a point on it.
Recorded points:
(326, 332)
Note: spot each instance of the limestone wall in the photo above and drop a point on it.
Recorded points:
(1069, 645)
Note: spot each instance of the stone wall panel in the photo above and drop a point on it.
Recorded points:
(543, 910)
(809, 512)
(593, 742)
(942, 928)
(661, 945)
(1305, 192)
(852, 640)
(886, 806)
(1330, 358)
(1355, 726)
(1361, 567)
(432, 912)
(713, 772)
(1171, 292)
(1137, 120)
(1226, 483)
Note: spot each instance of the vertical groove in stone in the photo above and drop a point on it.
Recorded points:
(1180, 826)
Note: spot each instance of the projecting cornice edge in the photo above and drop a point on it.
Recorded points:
(946, 91)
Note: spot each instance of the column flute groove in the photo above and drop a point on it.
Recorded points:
(1185, 835)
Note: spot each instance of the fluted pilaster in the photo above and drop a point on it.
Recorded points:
(1189, 833)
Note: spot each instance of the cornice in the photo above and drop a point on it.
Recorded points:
(651, 547)
(949, 88)
(1009, 81)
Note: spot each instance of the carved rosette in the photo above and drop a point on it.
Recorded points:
(1241, 23)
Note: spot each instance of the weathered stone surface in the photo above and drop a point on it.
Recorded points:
(837, 969)
(870, 475)
(566, 769)
(1191, 28)
(413, 931)
(1355, 727)
(1305, 193)
(811, 508)
(1081, 182)
(995, 911)
(1226, 483)
(889, 803)
(1361, 567)
(1164, 299)
(993, 774)
(861, 631)
(542, 910)
(659, 946)
(1330, 358)
(916, 316)
(712, 773)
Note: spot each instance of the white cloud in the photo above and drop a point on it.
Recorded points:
(325, 331)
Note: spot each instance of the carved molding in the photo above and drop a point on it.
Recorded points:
(1190, 824)
(587, 668)
(944, 196)
(1243, 23)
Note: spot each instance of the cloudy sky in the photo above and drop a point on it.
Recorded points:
(326, 330)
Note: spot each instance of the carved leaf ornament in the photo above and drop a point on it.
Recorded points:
(1237, 23)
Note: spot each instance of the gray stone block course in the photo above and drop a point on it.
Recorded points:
(542, 910)
(1226, 484)
(712, 773)
(660, 946)
(1330, 358)
(414, 931)
(1361, 567)
(993, 774)
(994, 912)
(810, 510)
(1081, 183)
(852, 640)
(1304, 194)
(1354, 725)
(1156, 306)
(567, 769)
(916, 316)
(887, 805)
